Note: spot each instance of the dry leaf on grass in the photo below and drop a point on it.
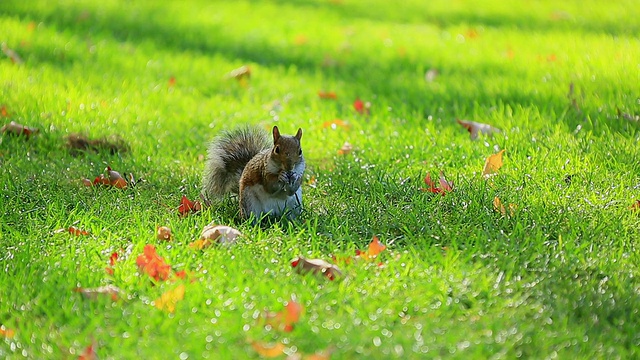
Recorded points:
(72, 230)
(635, 206)
(268, 350)
(476, 128)
(152, 264)
(335, 123)
(212, 234)
(362, 107)
(345, 149)
(492, 164)
(187, 206)
(445, 185)
(163, 233)
(14, 128)
(330, 95)
(79, 143)
(89, 353)
(169, 300)
(243, 72)
(11, 54)
(94, 293)
(374, 249)
(316, 267)
(6, 333)
(497, 206)
(285, 319)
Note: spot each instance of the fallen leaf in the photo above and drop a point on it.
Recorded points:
(361, 106)
(268, 351)
(445, 185)
(243, 72)
(7, 333)
(152, 264)
(374, 249)
(212, 234)
(327, 95)
(635, 206)
(163, 233)
(5, 113)
(94, 293)
(345, 149)
(76, 231)
(115, 179)
(492, 164)
(79, 143)
(87, 182)
(112, 261)
(497, 206)
(285, 319)
(170, 299)
(187, 206)
(476, 128)
(431, 75)
(315, 266)
(172, 82)
(89, 353)
(11, 54)
(14, 128)
(335, 123)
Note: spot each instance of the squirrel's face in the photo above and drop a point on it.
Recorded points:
(287, 152)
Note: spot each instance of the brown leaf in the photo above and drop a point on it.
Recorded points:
(94, 293)
(492, 164)
(315, 266)
(345, 149)
(635, 206)
(330, 95)
(79, 143)
(11, 54)
(163, 233)
(476, 128)
(445, 185)
(14, 128)
(243, 72)
(212, 234)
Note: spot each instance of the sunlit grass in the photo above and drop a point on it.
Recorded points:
(460, 280)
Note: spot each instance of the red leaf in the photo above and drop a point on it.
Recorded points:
(362, 107)
(187, 206)
(77, 232)
(89, 353)
(152, 264)
(113, 258)
(445, 185)
(172, 81)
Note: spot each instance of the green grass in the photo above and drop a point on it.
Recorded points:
(559, 279)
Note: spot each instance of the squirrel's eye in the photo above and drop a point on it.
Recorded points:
(277, 149)
(300, 153)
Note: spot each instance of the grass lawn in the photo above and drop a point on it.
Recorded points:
(555, 275)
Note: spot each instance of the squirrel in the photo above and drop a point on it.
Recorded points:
(266, 176)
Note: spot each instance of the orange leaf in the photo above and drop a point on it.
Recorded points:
(77, 232)
(6, 333)
(169, 299)
(327, 95)
(315, 266)
(172, 81)
(375, 248)
(493, 164)
(3, 111)
(187, 206)
(497, 206)
(115, 179)
(152, 264)
(268, 351)
(335, 123)
(635, 206)
(287, 318)
(163, 233)
(476, 128)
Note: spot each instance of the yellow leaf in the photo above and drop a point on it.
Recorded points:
(493, 164)
(268, 351)
(169, 299)
(497, 206)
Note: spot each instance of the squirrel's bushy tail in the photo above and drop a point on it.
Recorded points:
(227, 156)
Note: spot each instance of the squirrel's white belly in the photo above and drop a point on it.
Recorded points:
(268, 204)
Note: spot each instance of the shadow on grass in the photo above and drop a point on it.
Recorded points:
(157, 27)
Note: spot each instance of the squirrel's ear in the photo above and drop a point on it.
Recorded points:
(276, 134)
(299, 134)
